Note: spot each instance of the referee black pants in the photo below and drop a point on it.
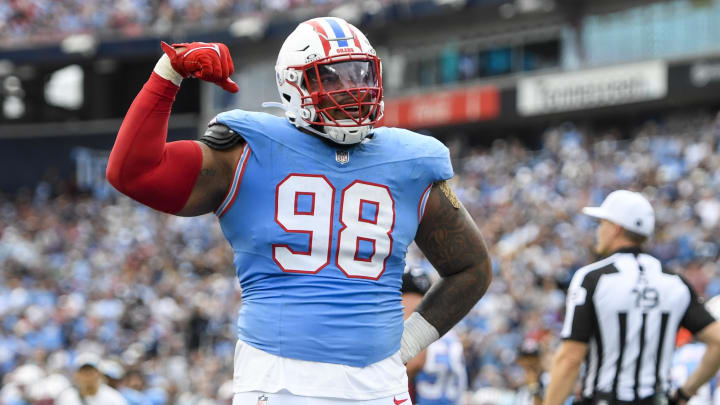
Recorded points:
(598, 401)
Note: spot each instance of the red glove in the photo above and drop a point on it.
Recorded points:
(206, 61)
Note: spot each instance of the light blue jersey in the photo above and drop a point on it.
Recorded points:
(443, 379)
(320, 234)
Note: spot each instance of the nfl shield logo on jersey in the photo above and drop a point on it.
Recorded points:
(342, 156)
(262, 400)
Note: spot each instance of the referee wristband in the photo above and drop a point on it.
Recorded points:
(417, 335)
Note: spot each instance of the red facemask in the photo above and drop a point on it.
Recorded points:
(345, 90)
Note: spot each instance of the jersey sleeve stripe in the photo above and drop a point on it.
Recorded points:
(235, 186)
(423, 202)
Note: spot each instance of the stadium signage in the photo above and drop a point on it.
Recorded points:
(443, 108)
(592, 88)
(702, 73)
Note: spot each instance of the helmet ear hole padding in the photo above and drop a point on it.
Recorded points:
(292, 76)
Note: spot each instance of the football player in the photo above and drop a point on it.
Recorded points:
(319, 207)
(687, 358)
(438, 373)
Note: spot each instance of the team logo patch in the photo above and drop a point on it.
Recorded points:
(262, 400)
(342, 156)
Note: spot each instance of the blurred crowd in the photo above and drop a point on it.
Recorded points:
(28, 18)
(51, 20)
(156, 296)
(150, 293)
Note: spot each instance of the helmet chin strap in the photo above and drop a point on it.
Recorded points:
(335, 134)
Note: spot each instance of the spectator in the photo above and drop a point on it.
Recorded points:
(113, 373)
(89, 388)
(134, 387)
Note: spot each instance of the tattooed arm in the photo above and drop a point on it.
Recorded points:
(453, 244)
(213, 181)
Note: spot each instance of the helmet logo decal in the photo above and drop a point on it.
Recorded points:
(323, 36)
(312, 57)
(335, 31)
(340, 35)
(355, 38)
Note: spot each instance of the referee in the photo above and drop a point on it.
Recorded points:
(623, 313)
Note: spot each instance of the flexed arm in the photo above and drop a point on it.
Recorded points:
(453, 244)
(164, 175)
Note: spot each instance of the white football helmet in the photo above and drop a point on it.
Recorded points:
(330, 80)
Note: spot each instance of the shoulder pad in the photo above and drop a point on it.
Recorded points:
(219, 136)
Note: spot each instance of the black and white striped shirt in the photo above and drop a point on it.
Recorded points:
(628, 308)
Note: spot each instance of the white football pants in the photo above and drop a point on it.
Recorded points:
(286, 398)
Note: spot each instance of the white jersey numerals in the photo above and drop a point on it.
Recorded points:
(375, 230)
(317, 222)
(367, 215)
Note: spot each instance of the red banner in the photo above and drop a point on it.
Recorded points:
(443, 108)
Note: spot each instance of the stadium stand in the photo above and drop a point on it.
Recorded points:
(42, 21)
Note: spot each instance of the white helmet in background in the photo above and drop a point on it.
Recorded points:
(330, 80)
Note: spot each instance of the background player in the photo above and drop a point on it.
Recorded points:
(687, 358)
(319, 211)
(438, 373)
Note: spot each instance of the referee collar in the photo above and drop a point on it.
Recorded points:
(636, 250)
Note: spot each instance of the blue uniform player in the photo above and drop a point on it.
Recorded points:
(437, 374)
(685, 360)
(319, 207)
(688, 357)
(443, 379)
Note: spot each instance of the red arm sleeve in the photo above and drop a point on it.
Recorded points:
(142, 165)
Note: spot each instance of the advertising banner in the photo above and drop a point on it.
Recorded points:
(443, 108)
(593, 88)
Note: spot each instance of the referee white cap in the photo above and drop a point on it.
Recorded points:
(628, 209)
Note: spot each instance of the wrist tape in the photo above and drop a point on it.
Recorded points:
(417, 335)
(164, 69)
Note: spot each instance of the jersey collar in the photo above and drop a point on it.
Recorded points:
(636, 250)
